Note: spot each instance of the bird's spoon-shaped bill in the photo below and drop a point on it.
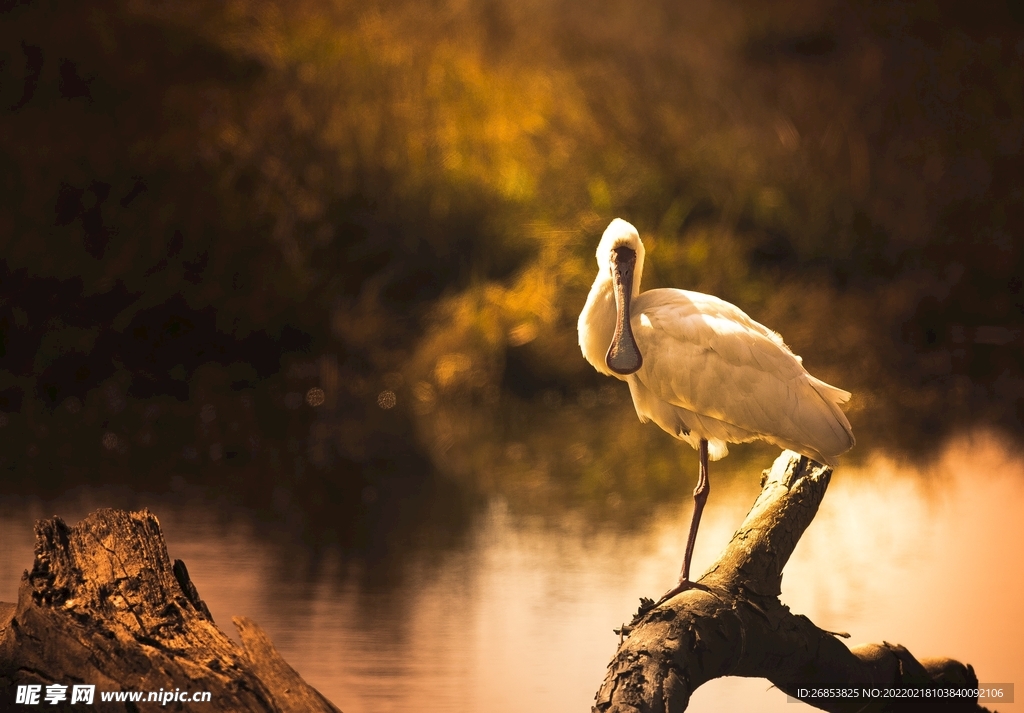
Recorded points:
(623, 355)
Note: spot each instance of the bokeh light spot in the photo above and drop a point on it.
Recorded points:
(315, 397)
(387, 399)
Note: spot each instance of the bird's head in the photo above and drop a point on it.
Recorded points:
(621, 256)
(621, 249)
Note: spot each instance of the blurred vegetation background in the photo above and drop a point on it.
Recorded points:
(287, 238)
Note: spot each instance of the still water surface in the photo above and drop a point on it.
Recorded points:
(519, 615)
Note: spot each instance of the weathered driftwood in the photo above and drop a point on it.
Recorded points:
(733, 624)
(104, 605)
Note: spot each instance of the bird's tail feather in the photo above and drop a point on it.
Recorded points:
(841, 432)
(829, 392)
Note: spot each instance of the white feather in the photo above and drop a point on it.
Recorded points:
(709, 370)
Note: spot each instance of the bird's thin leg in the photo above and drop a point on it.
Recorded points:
(700, 496)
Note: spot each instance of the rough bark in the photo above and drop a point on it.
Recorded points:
(104, 605)
(733, 624)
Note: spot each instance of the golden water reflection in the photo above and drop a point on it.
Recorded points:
(521, 617)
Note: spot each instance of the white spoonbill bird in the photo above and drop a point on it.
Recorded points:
(703, 370)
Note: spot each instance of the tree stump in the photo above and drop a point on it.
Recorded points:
(104, 605)
(733, 624)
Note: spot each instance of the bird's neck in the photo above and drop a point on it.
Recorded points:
(597, 324)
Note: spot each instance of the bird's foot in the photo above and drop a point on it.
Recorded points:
(684, 584)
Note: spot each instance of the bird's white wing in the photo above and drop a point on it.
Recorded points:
(707, 356)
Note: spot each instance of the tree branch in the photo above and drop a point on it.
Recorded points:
(733, 624)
